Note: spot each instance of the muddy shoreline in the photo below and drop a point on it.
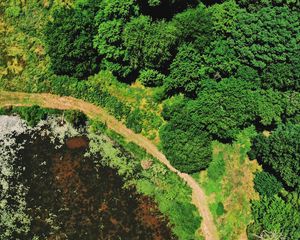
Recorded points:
(70, 198)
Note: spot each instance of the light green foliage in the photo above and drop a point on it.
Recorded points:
(228, 184)
(111, 19)
(13, 11)
(108, 39)
(114, 9)
(151, 78)
(275, 215)
(14, 221)
(216, 168)
(254, 5)
(224, 16)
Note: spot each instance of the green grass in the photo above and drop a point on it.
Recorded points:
(230, 186)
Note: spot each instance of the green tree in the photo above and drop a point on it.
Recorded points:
(151, 78)
(149, 44)
(187, 147)
(275, 215)
(268, 36)
(185, 71)
(111, 19)
(69, 42)
(266, 184)
(194, 26)
(224, 108)
(282, 76)
(281, 151)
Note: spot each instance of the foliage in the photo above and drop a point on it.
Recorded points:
(186, 145)
(77, 118)
(32, 115)
(267, 40)
(134, 120)
(266, 184)
(228, 183)
(193, 26)
(184, 71)
(149, 44)
(220, 209)
(236, 63)
(222, 109)
(216, 168)
(151, 78)
(68, 39)
(275, 215)
(280, 151)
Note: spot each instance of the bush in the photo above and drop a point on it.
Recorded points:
(13, 11)
(220, 209)
(216, 168)
(266, 184)
(151, 78)
(32, 115)
(117, 108)
(134, 120)
(77, 118)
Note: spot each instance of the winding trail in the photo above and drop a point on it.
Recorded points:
(208, 227)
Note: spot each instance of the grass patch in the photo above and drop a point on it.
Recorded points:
(228, 182)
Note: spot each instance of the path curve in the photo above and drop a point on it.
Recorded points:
(208, 228)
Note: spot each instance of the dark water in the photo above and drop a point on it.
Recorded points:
(69, 198)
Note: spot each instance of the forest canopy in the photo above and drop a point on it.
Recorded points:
(184, 73)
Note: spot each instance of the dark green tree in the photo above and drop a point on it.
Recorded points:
(266, 184)
(69, 43)
(194, 26)
(281, 151)
(187, 147)
(185, 71)
(267, 40)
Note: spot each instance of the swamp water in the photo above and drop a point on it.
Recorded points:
(49, 190)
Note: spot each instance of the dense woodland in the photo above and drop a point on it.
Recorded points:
(214, 68)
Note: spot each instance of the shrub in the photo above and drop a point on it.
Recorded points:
(220, 209)
(77, 118)
(134, 120)
(32, 115)
(151, 78)
(216, 168)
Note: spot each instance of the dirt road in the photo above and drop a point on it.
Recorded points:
(208, 228)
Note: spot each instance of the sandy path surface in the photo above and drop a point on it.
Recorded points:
(208, 228)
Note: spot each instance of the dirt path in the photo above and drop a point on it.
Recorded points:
(208, 228)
